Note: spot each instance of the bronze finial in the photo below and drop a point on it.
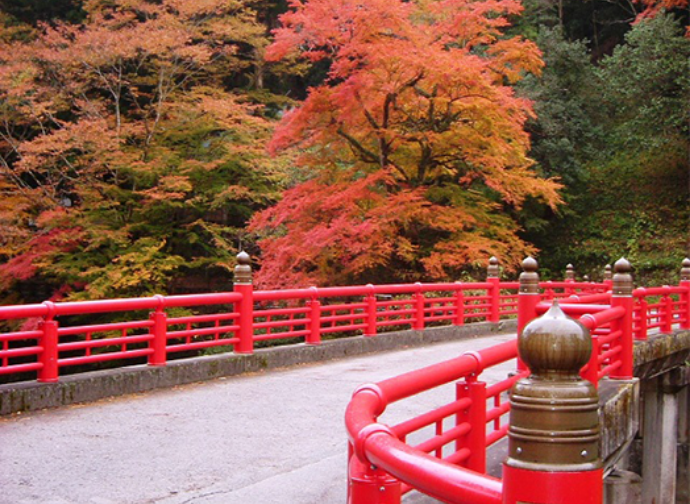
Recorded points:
(608, 275)
(554, 419)
(493, 271)
(685, 270)
(570, 272)
(529, 278)
(622, 279)
(243, 270)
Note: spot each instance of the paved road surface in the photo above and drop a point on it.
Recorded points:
(266, 438)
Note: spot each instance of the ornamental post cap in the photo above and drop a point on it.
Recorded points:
(529, 278)
(244, 259)
(570, 272)
(530, 264)
(622, 279)
(555, 344)
(685, 269)
(243, 269)
(554, 413)
(622, 265)
(608, 272)
(493, 271)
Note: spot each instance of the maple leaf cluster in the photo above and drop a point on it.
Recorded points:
(126, 162)
(414, 147)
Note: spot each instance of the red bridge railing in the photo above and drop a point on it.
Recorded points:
(54, 338)
(447, 457)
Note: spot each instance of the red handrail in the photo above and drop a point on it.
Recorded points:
(378, 445)
(379, 453)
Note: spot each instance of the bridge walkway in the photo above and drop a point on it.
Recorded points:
(275, 437)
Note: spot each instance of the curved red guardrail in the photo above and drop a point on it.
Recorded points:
(384, 447)
(381, 460)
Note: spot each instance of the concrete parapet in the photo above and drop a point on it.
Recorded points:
(619, 416)
(661, 353)
(86, 387)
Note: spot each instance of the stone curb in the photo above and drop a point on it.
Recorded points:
(92, 386)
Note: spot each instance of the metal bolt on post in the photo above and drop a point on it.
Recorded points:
(554, 420)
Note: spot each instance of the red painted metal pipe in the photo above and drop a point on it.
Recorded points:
(573, 309)
(414, 382)
(432, 476)
(593, 320)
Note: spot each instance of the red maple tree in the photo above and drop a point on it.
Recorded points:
(413, 148)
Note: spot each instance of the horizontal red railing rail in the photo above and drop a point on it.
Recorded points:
(277, 316)
(65, 338)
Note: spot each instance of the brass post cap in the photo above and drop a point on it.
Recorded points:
(554, 414)
(608, 272)
(622, 279)
(493, 271)
(243, 269)
(555, 344)
(685, 269)
(570, 272)
(529, 278)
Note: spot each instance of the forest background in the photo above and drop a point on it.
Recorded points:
(144, 142)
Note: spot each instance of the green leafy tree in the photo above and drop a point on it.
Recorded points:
(626, 141)
(131, 165)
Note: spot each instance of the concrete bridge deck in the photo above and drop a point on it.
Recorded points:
(264, 438)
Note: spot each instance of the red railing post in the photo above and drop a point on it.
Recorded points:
(553, 438)
(528, 297)
(459, 305)
(643, 319)
(159, 332)
(370, 301)
(685, 296)
(419, 307)
(368, 485)
(667, 326)
(314, 336)
(49, 341)
(243, 285)
(475, 415)
(622, 290)
(493, 273)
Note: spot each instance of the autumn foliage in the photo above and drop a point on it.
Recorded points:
(127, 161)
(413, 149)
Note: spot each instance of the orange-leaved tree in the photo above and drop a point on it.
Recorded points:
(413, 153)
(129, 159)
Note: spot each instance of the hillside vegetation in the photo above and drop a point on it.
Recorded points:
(144, 142)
